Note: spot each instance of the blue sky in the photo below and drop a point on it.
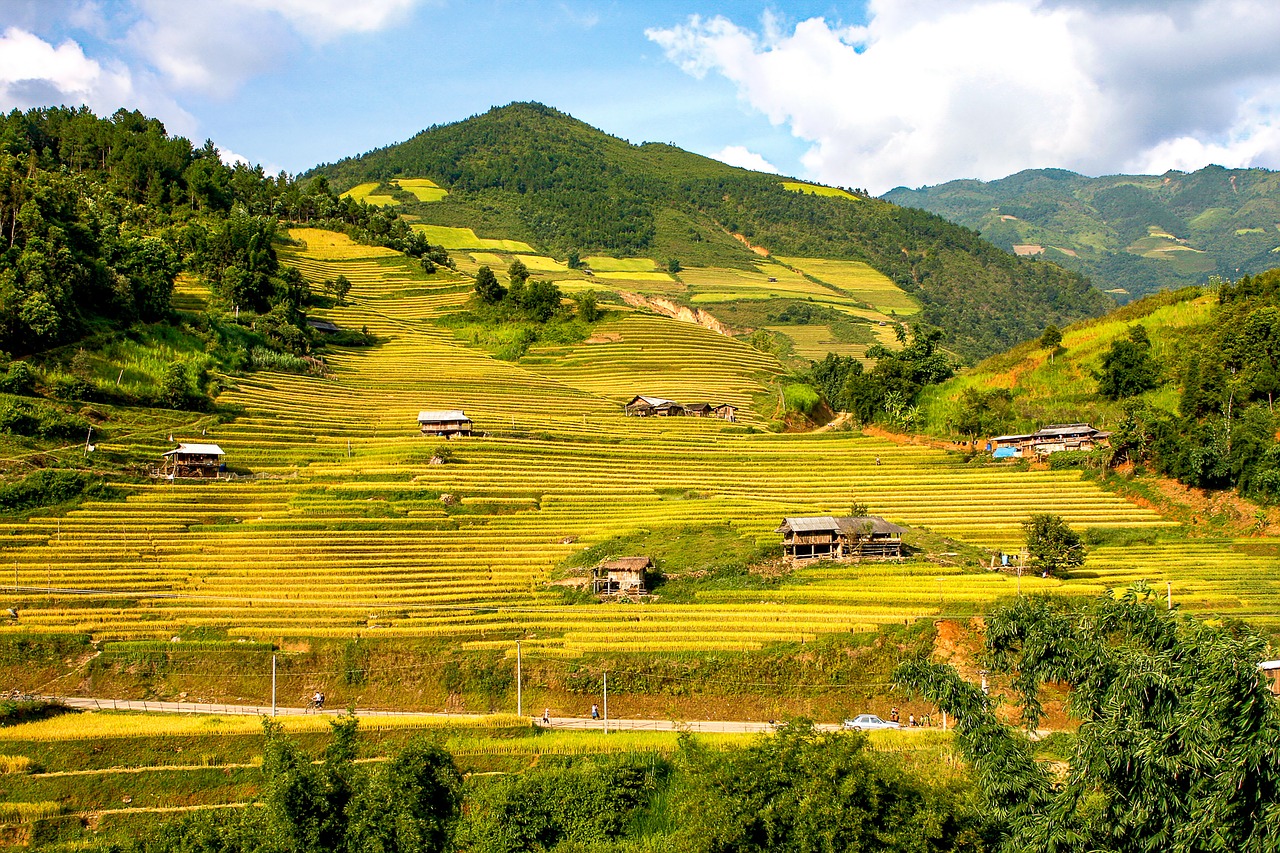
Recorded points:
(872, 94)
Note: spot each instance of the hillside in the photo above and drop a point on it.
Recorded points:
(1131, 234)
(1186, 380)
(528, 173)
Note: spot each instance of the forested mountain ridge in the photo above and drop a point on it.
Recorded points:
(529, 172)
(1136, 233)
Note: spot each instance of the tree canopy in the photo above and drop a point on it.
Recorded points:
(1178, 748)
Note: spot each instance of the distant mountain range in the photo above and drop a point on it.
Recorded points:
(530, 173)
(1131, 234)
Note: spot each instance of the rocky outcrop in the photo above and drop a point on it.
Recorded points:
(685, 314)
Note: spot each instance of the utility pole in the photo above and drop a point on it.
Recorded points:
(519, 696)
(1168, 591)
(606, 702)
(273, 685)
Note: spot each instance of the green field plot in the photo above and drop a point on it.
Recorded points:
(366, 193)
(859, 281)
(421, 188)
(496, 262)
(635, 275)
(189, 294)
(817, 189)
(539, 263)
(604, 263)
(814, 342)
(465, 238)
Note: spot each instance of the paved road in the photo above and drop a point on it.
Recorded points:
(90, 704)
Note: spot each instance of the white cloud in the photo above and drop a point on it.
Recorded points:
(322, 20)
(931, 90)
(214, 46)
(35, 73)
(738, 155)
(231, 158)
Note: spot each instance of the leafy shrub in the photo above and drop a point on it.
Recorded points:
(47, 488)
(800, 398)
(69, 388)
(37, 419)
(28, 711)
(262, 358)
(18, 379)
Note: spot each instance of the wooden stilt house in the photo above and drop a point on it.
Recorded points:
(447, 423)
(653, 407)
(193, 460)
(826, 537)
(624, 576)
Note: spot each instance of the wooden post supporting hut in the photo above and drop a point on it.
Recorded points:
(624, 576)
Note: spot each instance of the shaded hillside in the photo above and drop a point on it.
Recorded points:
(1138, 233)
(530, 173)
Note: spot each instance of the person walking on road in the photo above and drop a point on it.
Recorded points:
(546, 716)
(595, 712)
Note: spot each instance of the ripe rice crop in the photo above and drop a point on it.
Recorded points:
(348, 536)
(96, 725)
(421, 188)
(815, 189)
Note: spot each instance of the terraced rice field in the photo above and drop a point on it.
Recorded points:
(815, 189)
(859, 281)
(421, 188)
(342, 531)
(367, 194)
(814, 342)
(465, 238)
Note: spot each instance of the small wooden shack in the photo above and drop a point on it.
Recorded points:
(653, 407)
(643, 406)
(1271, 671)
(826, 537)
(324, 327)
(446, 423)
(193, 460)
(624, 576)
(1051, 439)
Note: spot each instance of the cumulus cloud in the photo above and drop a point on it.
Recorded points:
(214, 46)
(35, 73)
(231, 158)
(930, 90)
(738, 155)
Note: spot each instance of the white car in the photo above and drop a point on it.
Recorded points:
(864, 722)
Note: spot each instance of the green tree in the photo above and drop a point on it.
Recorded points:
(341, 287)
(983, 412)
(517, 272)
(410, 804)
(1051, 338)
(488, 288)
(540, 300)
(673, 266)
(1178, 749)
(588, 310)
(800, 790)
(1052, 545)
(175, 387)
(1128, 368)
